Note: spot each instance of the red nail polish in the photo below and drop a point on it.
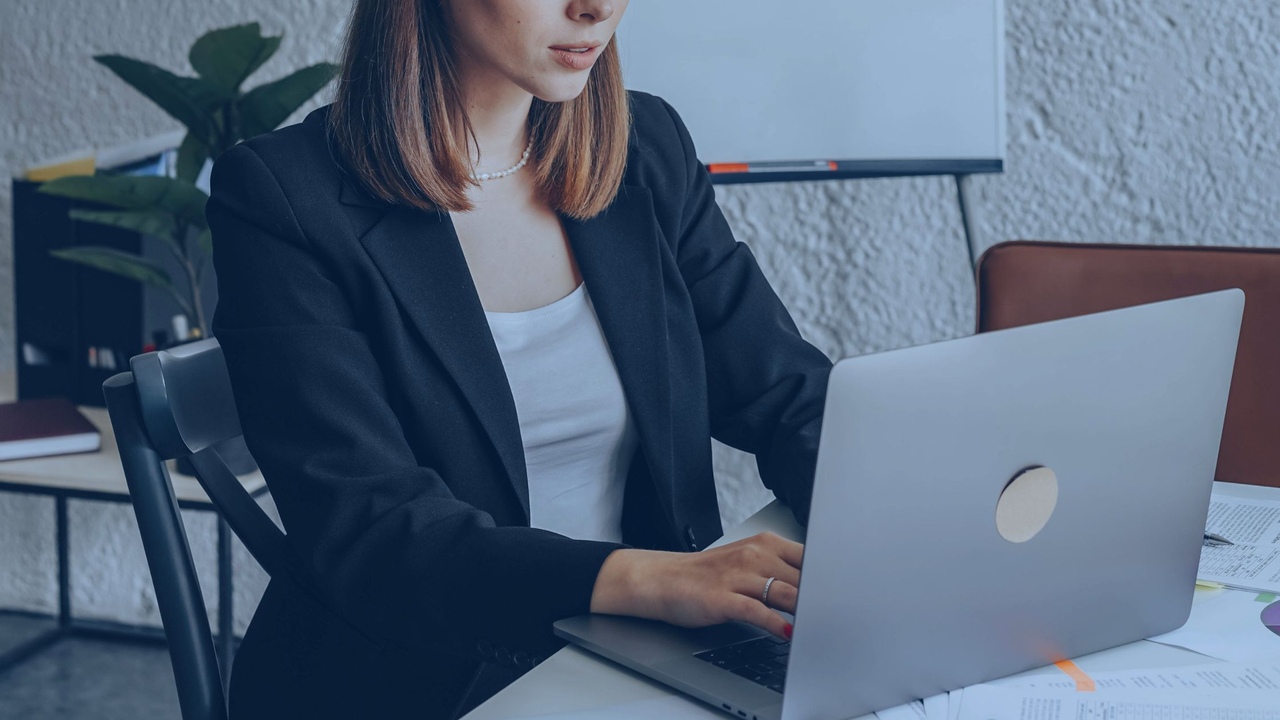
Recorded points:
(787, 631)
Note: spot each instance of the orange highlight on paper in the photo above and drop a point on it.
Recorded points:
(1084, 683)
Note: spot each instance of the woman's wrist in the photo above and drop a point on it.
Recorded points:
(628, 583)
(612, 589)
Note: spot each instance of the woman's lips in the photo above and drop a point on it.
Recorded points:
(576, 60)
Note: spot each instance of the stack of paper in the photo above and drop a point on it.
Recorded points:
(1227, 625)
(1182, 693)
(988, 702)
(1222, 691)
(1253, 561)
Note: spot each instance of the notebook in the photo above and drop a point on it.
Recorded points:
(45, 426)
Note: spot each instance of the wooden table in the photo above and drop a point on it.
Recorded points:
(99, 476)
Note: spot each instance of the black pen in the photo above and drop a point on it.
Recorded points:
(1216, 540)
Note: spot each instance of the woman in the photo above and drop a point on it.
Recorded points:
(482, 317)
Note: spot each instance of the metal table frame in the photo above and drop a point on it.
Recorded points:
(68, 626)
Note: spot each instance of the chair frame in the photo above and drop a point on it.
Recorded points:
(201, 692)
(178, 403)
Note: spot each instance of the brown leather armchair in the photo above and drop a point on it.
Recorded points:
(1027, 282)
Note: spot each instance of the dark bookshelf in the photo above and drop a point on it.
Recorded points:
(62, 309)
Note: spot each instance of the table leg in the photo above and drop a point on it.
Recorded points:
(226, 616)
(966, 218)
(64, 564)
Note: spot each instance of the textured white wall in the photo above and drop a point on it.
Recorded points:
(1136, 121)
(53, 100)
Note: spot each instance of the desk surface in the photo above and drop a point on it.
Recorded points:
(574, 679)
(100, 472)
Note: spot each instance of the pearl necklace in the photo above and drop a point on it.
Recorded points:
(524, 158)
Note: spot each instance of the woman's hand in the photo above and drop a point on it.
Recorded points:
(706, 588)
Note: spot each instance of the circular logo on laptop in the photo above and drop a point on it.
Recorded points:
(1026, 504)
(1271, 617)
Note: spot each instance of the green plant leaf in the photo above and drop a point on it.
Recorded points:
(182, 199)
(148, 222)
(227, 56)
(205, 241)
(191, 156)
(188, 100)
(263, 108)
(118, 262)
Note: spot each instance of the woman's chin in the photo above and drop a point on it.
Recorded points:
(562, 91)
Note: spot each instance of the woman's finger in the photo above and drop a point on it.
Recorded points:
(769, 558)
(791, 552)
(782, 596)
(752, 611)
(783, 572)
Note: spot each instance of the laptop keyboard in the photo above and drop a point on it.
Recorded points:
(761, 660)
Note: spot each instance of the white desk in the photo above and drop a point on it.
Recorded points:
(574, 679)
(99, 475)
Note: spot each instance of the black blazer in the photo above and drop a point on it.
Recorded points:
(374, 399)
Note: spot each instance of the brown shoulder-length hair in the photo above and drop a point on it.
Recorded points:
(401, 126)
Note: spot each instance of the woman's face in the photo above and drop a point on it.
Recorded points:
(531, 43)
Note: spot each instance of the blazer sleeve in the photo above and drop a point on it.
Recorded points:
(398, 556)
(766, 384)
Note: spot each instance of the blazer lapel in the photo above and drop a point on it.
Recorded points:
(420, 257)
(619, 256)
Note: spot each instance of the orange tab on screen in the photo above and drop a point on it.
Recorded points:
(729, 167)
(1084, 683)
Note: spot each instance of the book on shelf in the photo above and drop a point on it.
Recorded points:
(45, 426)
(154, 155)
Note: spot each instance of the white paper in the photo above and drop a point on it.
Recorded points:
(954, 698)
(910, 711)
(931, 708)
(935, 708)
(1253, 562)
(989, 702)
(1215, 676)
(1227, 626)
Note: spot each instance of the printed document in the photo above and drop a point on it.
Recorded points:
(1253, 562)
(1227, 626)
(989, 702)
(931, 708)
(1213, 676)
(910, 711)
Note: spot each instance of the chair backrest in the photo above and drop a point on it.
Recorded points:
(186, 398)
(1021, 282)
(178, 403)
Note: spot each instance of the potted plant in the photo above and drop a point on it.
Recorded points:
(217, 114)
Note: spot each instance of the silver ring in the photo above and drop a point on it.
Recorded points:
(764, 598)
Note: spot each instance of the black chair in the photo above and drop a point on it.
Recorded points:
(177, 403)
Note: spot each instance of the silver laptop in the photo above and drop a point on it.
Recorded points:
(981, 506)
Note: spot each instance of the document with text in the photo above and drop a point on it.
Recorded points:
(1228, 625)
(1210, 676)
(910, 711)
(989, 702)
(1253, 561)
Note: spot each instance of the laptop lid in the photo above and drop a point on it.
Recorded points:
(910, 589)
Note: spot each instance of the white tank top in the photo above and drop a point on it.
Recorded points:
(576, 428)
